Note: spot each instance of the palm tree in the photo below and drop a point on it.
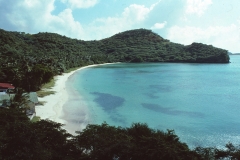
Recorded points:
(19, 100)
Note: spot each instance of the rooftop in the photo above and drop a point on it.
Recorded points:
(6, 85)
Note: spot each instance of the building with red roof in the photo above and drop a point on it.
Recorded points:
(5, 87)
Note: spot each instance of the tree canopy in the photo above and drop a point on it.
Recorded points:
(47, 140)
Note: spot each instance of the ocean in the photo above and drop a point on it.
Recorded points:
(200, 102)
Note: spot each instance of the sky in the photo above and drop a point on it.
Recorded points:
(213, 22)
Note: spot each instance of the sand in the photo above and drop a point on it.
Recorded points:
(54, 103)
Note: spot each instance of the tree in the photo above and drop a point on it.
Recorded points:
(155, 144)
(39, 75)
(55, 140)
(22, 139)
(19, 100)
(104, 142)
(15, 134)
(137, 59)
(207, 153)
(231, 152)
(138, 142)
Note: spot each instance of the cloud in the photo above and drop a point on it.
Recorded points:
(80, 3)
(159, 25)
(65, 24)
(197, 6)
(137, 12)
(132, 15)
(25, 15)
(226, 37)
(36, 16)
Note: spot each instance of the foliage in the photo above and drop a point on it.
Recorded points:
(39, 75)
(45, 89)
(43, 93)
(104, 142)
(207, 153)
(138, 142)
(231, 152)
(19, 100)
(28, 61)
(48, 85)
(35, 119)
(22, 139)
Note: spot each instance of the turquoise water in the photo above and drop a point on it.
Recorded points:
(200, 102)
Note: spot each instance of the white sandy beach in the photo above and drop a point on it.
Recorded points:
(53, 106)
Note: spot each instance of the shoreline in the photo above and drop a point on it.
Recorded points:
(53, 107)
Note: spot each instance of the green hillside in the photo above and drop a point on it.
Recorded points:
(26, 57)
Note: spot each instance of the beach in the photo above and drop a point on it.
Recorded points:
(53, 107)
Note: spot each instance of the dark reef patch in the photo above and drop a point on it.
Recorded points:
(151, 95)
(161, 88)
(171, 111)
(107, 101)
(155, 89)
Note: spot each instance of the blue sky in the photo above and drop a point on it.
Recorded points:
(215, 22)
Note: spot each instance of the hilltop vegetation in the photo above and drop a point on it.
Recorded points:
(28, 61)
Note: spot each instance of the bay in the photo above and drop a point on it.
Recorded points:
(200, 102)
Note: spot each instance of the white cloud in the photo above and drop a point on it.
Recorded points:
(38, 17)
(159, 25)
(25, 14)
(80, 3)
(226, 37)
(137, 12)
(132, 15)
(197, 6)
(65, 24)
(30, 3)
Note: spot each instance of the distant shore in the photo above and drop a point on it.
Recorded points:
(53, 104)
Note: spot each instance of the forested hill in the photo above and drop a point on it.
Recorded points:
(23, 56)
(143, 45)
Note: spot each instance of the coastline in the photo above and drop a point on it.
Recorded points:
(53, 107)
